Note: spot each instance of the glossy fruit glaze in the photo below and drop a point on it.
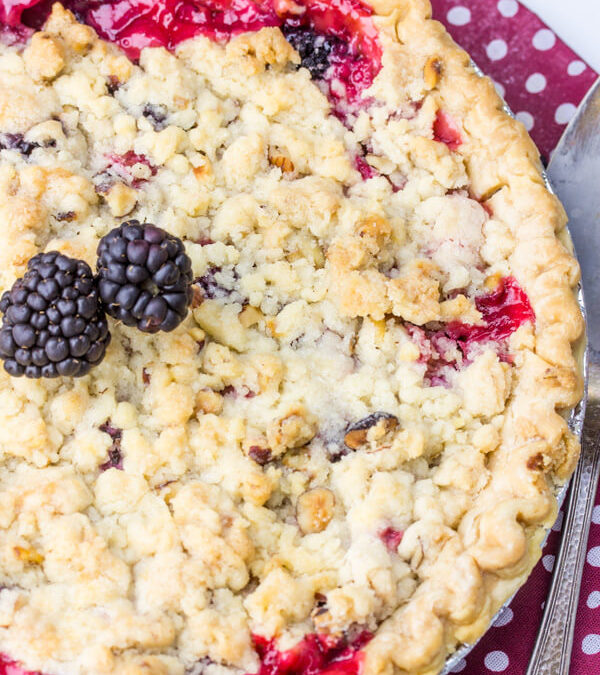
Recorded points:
(502, 311)
(452, 347)
(314, 655)
(9, 667)
(446, 131)
(354, 61)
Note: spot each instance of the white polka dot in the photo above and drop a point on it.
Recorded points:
(504, 618)
(535, 83)
(526, 118)
(590, 644)
(548, 562)
(459, 667)
(596, 515)
(459, 16)
(497, 662)
(564, 113)
(497, 50)
(559, 521)
(500, 88)
(576, 67)
(593, 600)
(543, 604)
(508, 7)
(544, 39)
(593, 556)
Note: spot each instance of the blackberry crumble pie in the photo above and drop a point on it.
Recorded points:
(340, 451)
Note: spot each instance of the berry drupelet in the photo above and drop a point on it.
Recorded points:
(315, 50)
(144, 277)
(53, 322)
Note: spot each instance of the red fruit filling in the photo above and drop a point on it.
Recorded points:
(314, 655)
(503, 311)
(353, 52)
(121, 165)
(391, 537)
(10, 667)
(11, 11)
(364, 168)
(446, 131)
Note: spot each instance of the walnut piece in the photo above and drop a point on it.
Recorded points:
(28, 555)
(121, 199)
(293, 430)
(432, 72)
(282, 162)
(371, 429)
(315, 509)
(209, 401)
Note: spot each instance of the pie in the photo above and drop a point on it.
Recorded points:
(345, 457)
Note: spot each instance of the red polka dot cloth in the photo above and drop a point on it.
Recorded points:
(543, 81)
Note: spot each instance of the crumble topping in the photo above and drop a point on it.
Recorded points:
(345, 454)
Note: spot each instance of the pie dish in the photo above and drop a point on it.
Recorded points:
(345, 458)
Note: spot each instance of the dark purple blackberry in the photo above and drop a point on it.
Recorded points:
(211, 288)
(315, 50)
(115, 459)
(53, 321)
(219, 283)
(144, 277)
(18, 143)
(156, 114)
(112, 84)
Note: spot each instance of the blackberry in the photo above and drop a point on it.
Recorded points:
(156, 114)
(53, 321)
(210, 286)
(18, 143)
(315, 50)
(112, 84)
(115, 459)
(144, 277)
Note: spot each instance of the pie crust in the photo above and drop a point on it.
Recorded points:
(250, 505)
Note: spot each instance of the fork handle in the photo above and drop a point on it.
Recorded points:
(552, 651)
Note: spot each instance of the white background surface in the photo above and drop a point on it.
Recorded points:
(577, 22)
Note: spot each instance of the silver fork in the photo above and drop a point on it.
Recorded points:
(574, 173)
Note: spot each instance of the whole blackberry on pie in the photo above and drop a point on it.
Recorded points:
(144, 277)
(53, 322)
